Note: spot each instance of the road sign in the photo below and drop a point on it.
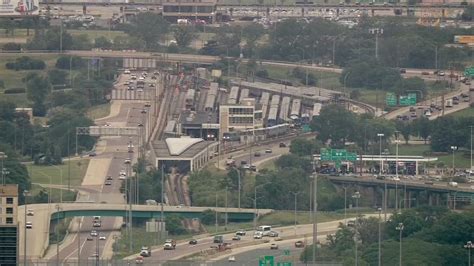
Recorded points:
(266, 261)
(351, 156)
(326, 155)
(286, 263)
(469, 72)
(410, 99)
(338, 154)
(391, 99)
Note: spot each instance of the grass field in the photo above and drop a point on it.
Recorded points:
(92, 34)
(42, 174)
(55, 193)
(99, 111)
(468, 112)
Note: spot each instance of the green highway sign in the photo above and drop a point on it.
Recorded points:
(266, 261)
(469, 72)
(391, 99)
(337, 155)
(410, 99)
(286, 263)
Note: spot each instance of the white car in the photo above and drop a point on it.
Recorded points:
(29, 225)
(93, 233)
(127, 161)
(122, 177)
(126, 71)
(257, 235)
(122, 172)
(231, 259)
(102, 237)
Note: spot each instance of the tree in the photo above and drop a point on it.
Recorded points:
(405, 129)
(335, 124)
(149, 27)
(302, 146)
(184, 35)
(37, 89)
(174, 224)
(56, 76)
(468, 13)
(423, 127)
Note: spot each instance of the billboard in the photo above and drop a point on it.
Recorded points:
(18, 8)
(464, 39)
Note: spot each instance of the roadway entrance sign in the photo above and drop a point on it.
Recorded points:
(391, 99)
(410, 99)
(337, 155)
(469, 72)
(266, 261)
(286, 263)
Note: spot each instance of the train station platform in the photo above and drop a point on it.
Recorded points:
(188, 154)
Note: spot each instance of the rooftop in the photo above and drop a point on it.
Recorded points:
(184, 147)
(198, 118)
(9, 190)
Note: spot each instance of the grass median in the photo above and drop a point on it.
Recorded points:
(73, 171)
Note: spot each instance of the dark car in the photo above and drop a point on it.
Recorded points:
(193, 242)
(299, 244)
(108, 183)
(282, 145)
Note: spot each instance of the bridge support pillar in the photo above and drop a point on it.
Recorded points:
(437, 199)
(373, 12)
(430, 198)
(416, 168)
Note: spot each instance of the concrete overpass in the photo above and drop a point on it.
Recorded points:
(435, 193)
(38, 236)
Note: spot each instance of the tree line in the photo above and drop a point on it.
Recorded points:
(337, 127)
(431, 236)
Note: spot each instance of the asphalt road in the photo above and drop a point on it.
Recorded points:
(113, 150)
(421, 106)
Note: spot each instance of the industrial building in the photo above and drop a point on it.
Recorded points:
(240, 117)
(9, 224)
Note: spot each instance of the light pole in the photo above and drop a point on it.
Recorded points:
(453, 148)
(356, 196)
(345, 205)
(396, 153)
(296, 201)
(26, 193)
(344, 83)
(469, 245)
(471, 169)
(315, 210)
(376, 32)
(400, 228)
(380, 135)
(58, 208)
(255, 203)
(380, 237)
(239, 188)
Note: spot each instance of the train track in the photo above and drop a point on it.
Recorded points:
(367, 107)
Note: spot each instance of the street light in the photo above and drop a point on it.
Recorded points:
(356, 196)
(26, 193)
(380, 237)
(400, 228)
(255, 203)
(380, 135)
(58, 208)
(296, 200)
(469, 245)
(453, 148)
(345, 205)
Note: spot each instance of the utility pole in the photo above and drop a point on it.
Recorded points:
(376, 32)
(315, 218)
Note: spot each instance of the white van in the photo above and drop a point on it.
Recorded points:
(265, 229)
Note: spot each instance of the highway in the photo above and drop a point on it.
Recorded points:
(111, 154)
(437, 101)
